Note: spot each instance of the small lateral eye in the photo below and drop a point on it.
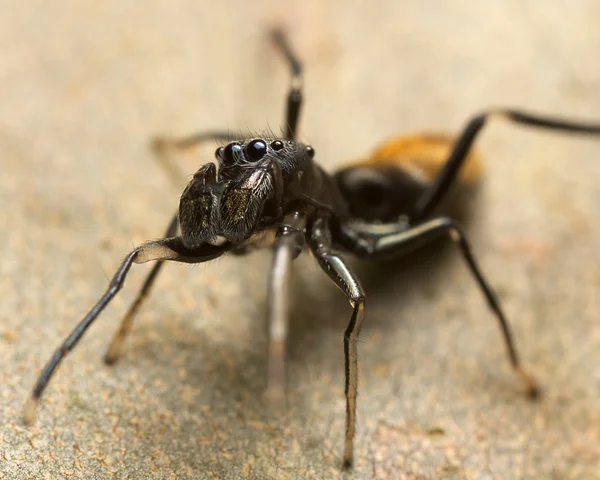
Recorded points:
(256, 150)
(232, 153)
(219, 153)
(310, 151)
(277, 145)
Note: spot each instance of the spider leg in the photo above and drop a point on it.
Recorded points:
(373, 246)
(115, 348)
(289, 245)
(294, 100)
(163, 146)
(164, 249)
(432, 196)
(337, 269)
(160, 146)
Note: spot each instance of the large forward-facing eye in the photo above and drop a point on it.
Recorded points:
(232, 153)
(256, 150)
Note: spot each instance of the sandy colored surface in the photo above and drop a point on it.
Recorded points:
(84, 84)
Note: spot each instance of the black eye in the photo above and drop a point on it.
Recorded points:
(277, 145)
(219, 153)
(232, 153)
(256, 150)
(310, 151)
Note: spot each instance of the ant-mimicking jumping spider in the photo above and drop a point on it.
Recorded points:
(274, 185)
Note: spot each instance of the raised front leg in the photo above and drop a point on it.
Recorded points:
(115, 349)
(165, 249)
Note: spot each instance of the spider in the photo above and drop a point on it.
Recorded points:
(270, 191)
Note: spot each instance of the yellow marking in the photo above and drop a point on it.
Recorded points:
(155, 251)
(424, 154)
(235, 205)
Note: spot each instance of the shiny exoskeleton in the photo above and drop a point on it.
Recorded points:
(271, 191)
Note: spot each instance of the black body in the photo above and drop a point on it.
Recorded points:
(274, 186)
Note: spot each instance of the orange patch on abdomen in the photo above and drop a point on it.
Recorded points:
(423, 155)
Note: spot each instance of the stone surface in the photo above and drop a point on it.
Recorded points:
(83, 86)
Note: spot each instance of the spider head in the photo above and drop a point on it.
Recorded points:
(255, 181)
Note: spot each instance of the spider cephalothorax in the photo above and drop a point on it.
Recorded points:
(249, 191)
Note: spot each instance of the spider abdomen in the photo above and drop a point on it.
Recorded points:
(387, 184)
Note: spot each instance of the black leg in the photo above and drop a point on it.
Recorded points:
(388, 245)
(340, 273)
(294, 100)
(165, 249)
(435, 193)
(289, 245)
(160, 146)
(115, 349)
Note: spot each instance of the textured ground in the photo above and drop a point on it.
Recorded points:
(84, 84)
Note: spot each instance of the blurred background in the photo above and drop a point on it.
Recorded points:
(83, 87)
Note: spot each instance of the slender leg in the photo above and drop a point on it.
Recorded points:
(290, 244)
(434, 194)
(294, 100)
(162, 146)
(115, 349)
(189, 141)
(340, 273)
(397, 243)
(165, 249)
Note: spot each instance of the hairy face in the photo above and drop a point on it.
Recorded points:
(246, 193)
